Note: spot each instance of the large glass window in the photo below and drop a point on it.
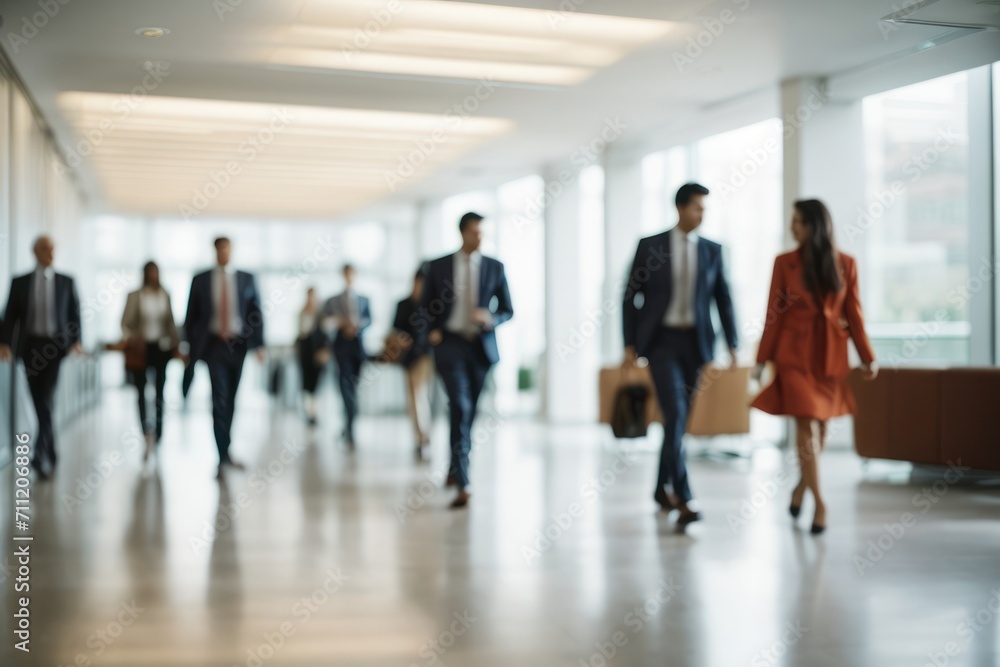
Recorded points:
(914, 232)
(743, 170)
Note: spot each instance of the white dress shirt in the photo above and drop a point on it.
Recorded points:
(152, 314)
(466, 277)
(307, 322)
(684, 270)
(43, 302)
(345, 305)
(235, 323)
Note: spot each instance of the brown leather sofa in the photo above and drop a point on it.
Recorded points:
(937, 416)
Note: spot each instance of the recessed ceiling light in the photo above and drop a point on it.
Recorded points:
(152, 32)
(255, 159)
(459, 40)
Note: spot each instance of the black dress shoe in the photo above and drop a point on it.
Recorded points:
(688, 516)
(817, 529)
(461, 500)
(794, 510)
(661, 497)
(39, 470)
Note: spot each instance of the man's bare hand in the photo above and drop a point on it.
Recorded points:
(483, 317)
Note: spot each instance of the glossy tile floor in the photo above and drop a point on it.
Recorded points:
(315, 556)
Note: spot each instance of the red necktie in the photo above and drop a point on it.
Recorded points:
(224, 308)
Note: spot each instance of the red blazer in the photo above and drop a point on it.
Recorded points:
(800, 334)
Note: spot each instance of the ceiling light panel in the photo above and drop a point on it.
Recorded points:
(443, 39)
(193, 157)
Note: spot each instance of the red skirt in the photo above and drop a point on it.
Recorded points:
(798, 393)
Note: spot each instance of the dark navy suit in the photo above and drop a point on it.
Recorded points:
(462, 360)
(224, 358)
(350, 355)
(675, 356)
(42, 354)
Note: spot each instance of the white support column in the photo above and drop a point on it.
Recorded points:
(564, 374)
(823, 152)
(622, 229)
(824, 157)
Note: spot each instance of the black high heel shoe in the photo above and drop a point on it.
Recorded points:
(817, 529)
(794, 509)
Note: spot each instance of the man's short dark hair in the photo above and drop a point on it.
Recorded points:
(347, 267)
(688, 190)
(468, 219)
(220, 240)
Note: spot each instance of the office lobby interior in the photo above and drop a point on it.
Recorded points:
(315, 135)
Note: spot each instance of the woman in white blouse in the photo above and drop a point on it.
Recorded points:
(150, 341)
(311, 343)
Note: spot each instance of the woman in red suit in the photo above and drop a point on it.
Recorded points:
(812, 310)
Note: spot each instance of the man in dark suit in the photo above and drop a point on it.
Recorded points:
(42, 324)
(224, 320)
(465, 298)
(666, 318)
(351, 316)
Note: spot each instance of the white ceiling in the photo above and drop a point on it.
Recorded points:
(91, 47)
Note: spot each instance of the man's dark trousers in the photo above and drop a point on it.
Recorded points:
(675, 363)
(462, 366)
(42, 357)
(349, 355)
(225, 366)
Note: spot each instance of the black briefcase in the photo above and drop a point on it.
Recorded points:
(628, 418)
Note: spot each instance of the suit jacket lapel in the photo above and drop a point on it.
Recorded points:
(668, 269)
(483, 264)
(447, 283)
(701, 276)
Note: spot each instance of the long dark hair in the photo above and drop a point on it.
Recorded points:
(146, 271)
(819, 252)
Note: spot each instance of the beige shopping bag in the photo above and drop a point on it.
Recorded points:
(721, 402)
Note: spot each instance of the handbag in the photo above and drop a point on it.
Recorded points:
(628, 417)
(135, 354)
